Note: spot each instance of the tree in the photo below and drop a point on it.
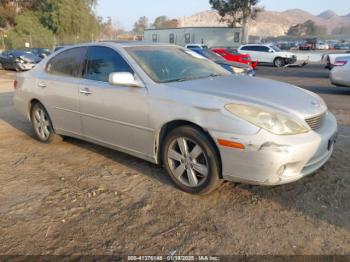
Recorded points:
(28, 29)
(162, 22)
(309, 28)
(237, 12)
(140, 25)
(110, 29)
(70, 20)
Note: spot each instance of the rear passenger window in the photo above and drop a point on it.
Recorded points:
(102, 61)
(264, 49)
(67, 63)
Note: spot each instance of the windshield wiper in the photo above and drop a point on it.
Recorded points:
(194, 78)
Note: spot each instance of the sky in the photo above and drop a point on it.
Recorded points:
(126, 12)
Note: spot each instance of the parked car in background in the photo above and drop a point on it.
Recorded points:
(232, 55)
(171, 106)
(340, 74)
(322, 46)
(201, 46)
(305, 46)
(233, 67)
(268, 54)
(308, 44)
(18, 60)
(40, 52)
(342, 47)
(330, 59)
(287, 45)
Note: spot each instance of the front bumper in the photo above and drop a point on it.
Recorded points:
(291, 60)
(26, 66)
(339, 77)
(274, 160)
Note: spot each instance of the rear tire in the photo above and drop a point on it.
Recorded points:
(42, 125)
(279, 62)
(191, 160)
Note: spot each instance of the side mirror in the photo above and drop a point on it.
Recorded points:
(124, 79)
(270, 51)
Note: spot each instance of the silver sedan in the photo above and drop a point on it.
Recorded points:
(170, 106)
(340, 74)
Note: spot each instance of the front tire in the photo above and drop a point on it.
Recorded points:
(279, 62)
(42, 124)
(191, 160)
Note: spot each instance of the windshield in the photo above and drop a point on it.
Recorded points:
(169, 64)
(275, 48)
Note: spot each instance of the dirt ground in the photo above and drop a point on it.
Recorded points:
(75, 198)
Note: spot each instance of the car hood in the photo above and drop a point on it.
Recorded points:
(30, 58)
(258, 91)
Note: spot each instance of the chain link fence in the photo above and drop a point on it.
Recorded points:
(29, 41)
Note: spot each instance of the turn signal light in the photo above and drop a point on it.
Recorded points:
(341, 63)
(231, 144)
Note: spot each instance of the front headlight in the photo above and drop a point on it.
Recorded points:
(275, 123)
(238, 70)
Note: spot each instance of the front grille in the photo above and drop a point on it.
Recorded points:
(316, 122)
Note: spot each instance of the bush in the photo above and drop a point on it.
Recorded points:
(29, 29)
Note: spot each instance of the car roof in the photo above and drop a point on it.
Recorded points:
(120, 44)
(257, 44)
(131, 43)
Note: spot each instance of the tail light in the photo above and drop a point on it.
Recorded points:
(15, 84)
(341, 63)
(246, 58)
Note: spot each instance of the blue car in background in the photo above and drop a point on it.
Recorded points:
(233, 67)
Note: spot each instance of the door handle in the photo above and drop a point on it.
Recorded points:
(42, 84)
(85, 91)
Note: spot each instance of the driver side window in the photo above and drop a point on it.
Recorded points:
(102, 61)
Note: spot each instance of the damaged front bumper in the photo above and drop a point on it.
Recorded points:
(270, 160)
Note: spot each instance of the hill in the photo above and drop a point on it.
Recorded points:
(272, 23)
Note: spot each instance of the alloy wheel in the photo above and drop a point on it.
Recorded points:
(42, 124)
(188, 162)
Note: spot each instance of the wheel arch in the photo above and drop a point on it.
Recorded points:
(166, 128)
(35, 101)
(32, 103)
(279, 57)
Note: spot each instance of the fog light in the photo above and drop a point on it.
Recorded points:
(281, 170)
(290, 169)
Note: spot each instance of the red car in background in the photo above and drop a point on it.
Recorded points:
(232, 55)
